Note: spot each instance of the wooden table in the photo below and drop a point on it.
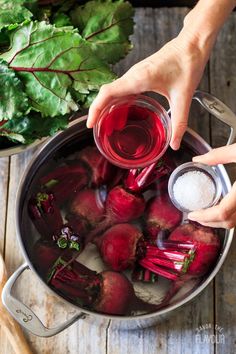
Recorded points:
(214, 311)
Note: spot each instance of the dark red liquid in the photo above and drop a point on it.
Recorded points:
(132, 135)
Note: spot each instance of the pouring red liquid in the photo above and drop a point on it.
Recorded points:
(133, 132)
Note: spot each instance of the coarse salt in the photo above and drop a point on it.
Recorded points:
(194, 190)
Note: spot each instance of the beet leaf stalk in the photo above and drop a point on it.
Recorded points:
(139, 179)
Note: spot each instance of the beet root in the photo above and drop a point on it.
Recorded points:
(118, 246)
(206, 244)
(123, 246)
(45, 214)
(161, 215)
(107, 292)
(66, 180)
(123, 206)
(88, 205)
(101, 170)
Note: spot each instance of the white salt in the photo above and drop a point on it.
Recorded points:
(194, 190)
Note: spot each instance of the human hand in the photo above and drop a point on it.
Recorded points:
(222, 215)
(174, 72)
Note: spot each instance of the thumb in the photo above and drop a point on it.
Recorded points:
(225, 154)
(179, 106)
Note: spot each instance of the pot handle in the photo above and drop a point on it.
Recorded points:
(24, 315)
(217, 108)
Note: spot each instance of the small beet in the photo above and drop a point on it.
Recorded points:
(206, 243)
(118, 246)
(45, 254)
(45, 214)
(123, 206)
(88, 205)
(123, 245)
(101, 170)
(107, 292)
(161, 214)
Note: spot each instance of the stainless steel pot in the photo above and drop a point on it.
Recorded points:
(77, 129)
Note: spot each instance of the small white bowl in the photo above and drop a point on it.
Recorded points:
(194, 166)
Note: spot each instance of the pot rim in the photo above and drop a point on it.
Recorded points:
(163, 311)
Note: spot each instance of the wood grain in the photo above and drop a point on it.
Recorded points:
(223, 85)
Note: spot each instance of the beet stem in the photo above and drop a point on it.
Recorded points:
(166, 263)
(158, 270)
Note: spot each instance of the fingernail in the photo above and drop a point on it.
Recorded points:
(88, 124)
(175, 145)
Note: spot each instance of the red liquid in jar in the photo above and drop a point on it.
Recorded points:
(131, 135)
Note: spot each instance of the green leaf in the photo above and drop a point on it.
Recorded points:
(106, 25)
(26, 129)
(61, 20)
(86, 99)
(13, 100)
(50, 62)
(13, 12)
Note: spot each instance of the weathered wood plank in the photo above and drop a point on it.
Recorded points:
(223, 85)
(179, 333)
(4, 165)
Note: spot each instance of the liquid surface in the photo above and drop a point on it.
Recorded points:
(132, 135)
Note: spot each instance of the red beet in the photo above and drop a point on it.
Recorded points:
(107, 292)
(121, 206)
(46, 253)
(66, 180)
(118, 246)
(161, 214)
(101, 171)
(122, 245)
(45, 214)
(206, 244)
(88, 205)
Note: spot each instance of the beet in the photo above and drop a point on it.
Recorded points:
(88, 205)
(123, 206)
(45, 253)
(161, 214)
(123, 245)
(45, 214)
(101, 170)
(107, 292)
(206, 244)
(66, 180)
(118, 246)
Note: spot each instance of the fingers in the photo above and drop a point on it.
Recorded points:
(225, 154)
(221, 215)
(179, 107)
(131, 83)
(221, 224)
